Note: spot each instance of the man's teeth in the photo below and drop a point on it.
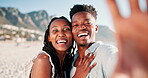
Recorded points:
(82, 34)
(61, 41)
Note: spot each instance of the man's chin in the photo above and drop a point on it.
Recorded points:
(83, 45)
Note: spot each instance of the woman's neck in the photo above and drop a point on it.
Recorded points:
(61, 56)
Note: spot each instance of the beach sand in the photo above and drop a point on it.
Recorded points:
(15, 58)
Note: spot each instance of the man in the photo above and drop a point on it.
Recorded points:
(84, 28)
(132, 37)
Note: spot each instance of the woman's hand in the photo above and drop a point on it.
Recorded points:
(84, 67)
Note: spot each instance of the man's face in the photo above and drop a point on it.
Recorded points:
(84, 28)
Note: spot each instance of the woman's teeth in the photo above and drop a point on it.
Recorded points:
(61, 41)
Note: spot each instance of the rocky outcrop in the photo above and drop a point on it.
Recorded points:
(32, 20)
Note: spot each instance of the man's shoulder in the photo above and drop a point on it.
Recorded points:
(109, 48)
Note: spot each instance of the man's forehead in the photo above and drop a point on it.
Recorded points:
(85, 16)
(82, 14)
(77, 20)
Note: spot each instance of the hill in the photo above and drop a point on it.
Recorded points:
(106, 35)
(32, 20)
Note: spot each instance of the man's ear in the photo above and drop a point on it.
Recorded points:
(96, 28)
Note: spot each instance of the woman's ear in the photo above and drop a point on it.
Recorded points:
(49, 38)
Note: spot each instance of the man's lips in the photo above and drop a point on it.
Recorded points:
(82, 34)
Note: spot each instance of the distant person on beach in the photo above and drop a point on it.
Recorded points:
(17, 40)
(56, 58)
(84, 28)
(132, 38)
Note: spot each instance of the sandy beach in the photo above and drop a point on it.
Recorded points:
(14, 58)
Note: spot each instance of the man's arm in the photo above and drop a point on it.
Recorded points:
(132, 38)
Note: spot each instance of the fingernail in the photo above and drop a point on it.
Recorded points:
(95, 62)
(95, 54)
(90, 52)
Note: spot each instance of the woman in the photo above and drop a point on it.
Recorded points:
(56, 58)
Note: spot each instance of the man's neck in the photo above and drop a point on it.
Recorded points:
(81, 50)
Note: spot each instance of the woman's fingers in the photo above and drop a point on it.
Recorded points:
(84, 66)
(80, 62)
(88, 61)
(92, 66)
(85, 58)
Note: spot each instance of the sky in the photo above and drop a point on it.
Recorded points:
(62, 7)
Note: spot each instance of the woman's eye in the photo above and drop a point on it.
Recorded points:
(55, 30)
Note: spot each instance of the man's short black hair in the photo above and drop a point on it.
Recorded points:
(86, 8)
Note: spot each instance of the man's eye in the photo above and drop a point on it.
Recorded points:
(66, 29)
(88, 23)
(75, 25)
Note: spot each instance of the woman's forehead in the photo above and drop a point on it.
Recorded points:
(59, 23)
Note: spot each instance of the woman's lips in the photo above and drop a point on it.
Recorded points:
(61, 41)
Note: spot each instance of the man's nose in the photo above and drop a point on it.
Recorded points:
(83, 26)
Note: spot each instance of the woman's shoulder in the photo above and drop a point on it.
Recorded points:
(43, 64)
(42, 57)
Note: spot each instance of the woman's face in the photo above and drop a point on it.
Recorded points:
(60, 35)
